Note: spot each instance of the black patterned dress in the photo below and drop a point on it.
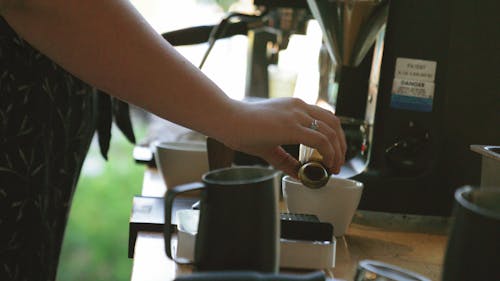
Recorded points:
(47, 120)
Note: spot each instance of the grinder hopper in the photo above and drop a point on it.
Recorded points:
(350, 27)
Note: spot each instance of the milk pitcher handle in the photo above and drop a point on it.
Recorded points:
(169, 201)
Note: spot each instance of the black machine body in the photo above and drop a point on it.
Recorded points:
(438, 93)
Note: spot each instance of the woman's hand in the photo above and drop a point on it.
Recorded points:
(261, 127)
(143, 69)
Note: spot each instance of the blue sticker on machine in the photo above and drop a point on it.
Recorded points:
(411, 103)
(412, 95)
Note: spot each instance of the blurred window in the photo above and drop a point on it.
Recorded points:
(226, 64)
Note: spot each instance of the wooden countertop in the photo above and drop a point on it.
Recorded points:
(416, 243)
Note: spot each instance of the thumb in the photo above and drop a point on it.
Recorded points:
(280, 159)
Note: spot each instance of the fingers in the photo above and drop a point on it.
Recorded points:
(334, 139)
(327, 136)
(280, 159)
(333, 122)
(323, 139)
(288, 121)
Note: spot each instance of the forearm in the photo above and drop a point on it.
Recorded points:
(109, 45)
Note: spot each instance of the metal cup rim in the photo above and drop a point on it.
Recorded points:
(389, 270)
(270, 173)
(462, 200)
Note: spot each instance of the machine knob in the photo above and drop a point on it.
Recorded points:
(408, 156)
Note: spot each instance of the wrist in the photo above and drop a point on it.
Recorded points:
(230, 123)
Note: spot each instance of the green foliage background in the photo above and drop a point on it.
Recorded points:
(96, 240)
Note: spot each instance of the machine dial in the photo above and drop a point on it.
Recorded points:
(409, 155)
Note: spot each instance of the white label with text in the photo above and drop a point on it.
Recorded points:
(413, 69)
(413, 85)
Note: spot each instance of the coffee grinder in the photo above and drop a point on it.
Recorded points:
(424, 75)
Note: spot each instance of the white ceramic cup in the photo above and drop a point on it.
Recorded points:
(181, 162)
(336, 202)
